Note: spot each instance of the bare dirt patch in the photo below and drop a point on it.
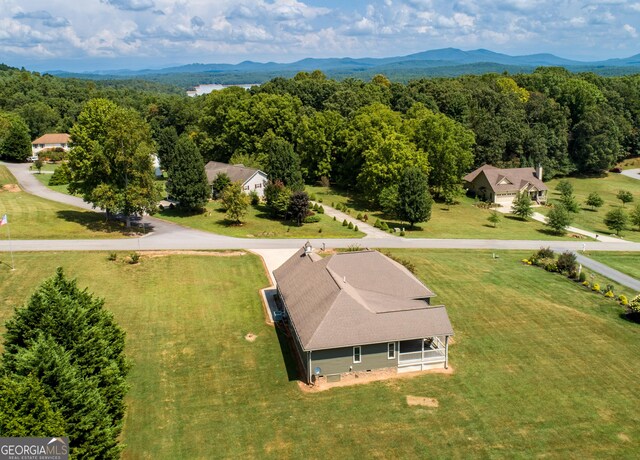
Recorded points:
(623, 437)
(12, 188)
(250, 337)
(152, 254)
(359, 378)
(422, 401)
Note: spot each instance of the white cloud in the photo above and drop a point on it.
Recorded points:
(631, 30)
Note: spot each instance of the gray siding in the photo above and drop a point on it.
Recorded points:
(339, 360)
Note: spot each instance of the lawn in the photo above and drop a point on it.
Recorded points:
(45, 178)
(32, 217)
(607, 187)
(542, 367)
(626, 262)
(258, 223)
(463, 220)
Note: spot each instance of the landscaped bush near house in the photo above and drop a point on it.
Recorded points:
(583, 277)
(567, 262)
(545, 253)
(254, 197)
(595, 287)
(623, 299)
(608, 294)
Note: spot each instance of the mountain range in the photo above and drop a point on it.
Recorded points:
(439, 62)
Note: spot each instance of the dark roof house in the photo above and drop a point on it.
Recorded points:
(360, 311)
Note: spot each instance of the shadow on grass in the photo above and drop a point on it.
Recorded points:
(635, 319)
(549, 232)
(516, 218)
(293, 371)
(94, 221)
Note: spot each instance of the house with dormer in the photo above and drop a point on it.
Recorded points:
(501, 185)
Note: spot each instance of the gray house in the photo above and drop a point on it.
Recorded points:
(360, 311)
(251, 179)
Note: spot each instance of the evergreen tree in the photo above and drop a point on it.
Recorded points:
(71, 344)
(277, 197)
(616, 220)
(25, 410)
(559, 218)
(414, 199)
(283, 163)
(594, 200)
(299, 206)
(494, 218)
(221, 182)
(166, 141)
(522, 206)
(187, 178)
(635, 216)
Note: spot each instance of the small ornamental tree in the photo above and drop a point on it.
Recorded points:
(277, 198)
(564, 187)
(569, 203)
(38, 165)
(522, 206)
(633, 308)
(635, 216)
(616, 220)
(235, 202)
(567, 262)
(494, 218)
(299, 206)
(414, 199)
(559, 219)
(625, 196)
(594, 200)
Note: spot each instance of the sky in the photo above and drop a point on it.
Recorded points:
(86, 35)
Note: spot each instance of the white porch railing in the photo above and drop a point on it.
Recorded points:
(426, 356)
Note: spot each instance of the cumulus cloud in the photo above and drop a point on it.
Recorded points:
(131, 5)
(285, 30)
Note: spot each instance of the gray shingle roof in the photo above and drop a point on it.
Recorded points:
(518, 178)
(237, 173)
(356, 298)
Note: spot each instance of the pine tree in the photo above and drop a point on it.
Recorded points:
(188, 180)
(71, 344)
(522, 206)
(414, 199)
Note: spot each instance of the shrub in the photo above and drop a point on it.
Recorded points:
(623, 300)
(567, 262)
(595, 287)
(61, 176)
(333, 205)
(254, 198)
(633, 308)
(377, 223)
(585, 283)
(359, 216)
(350, 226)
(583, 277)
(134, 258)
(319, 200)
(608, 294)
(312, 197)
(334, 218)
(356, 228)
(311, 219)
(401, 232)
(320, 210)
(525, 261)
(320, 230)
(551, 266)
(384, 226)
(545, 253)
(113, 256)
(365, 218)
(344, 223)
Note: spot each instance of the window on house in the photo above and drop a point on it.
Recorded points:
(391, 350)
(246, 187)
(357, 356)
(258, 186)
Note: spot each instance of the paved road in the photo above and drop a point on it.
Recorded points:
(632, 173)
(610, 273)
(169, 236)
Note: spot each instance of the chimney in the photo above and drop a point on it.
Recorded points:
(308, 248)
(539, 171)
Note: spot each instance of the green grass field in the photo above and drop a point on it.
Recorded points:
(463, 220)
(542, 366)
(607, 187)
(626, 262)
(32, 217)
(258, 223)
(45, 178)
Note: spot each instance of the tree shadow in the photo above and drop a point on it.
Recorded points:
(516, 218)
(635, 319)
(293, 370)
(95, 222)
(549, 232)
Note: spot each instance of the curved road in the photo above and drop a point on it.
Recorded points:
(166, 235)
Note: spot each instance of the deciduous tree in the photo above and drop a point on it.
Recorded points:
(594, 200)
(559, 218)
(235, 202)
(522, 206)
(414, 199)
(625, 196)
(616, 220)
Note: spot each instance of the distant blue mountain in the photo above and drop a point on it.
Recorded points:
(445, 61)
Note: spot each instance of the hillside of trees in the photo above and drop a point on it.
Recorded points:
(363, 135)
